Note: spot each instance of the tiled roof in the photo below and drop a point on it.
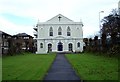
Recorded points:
(22, 35)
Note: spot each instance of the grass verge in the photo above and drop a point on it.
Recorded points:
(0, 69)
(94, 67)
(26, 67)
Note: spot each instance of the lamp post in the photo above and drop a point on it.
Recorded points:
(100, 21)
(100, 29)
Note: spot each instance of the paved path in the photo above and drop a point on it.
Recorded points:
(61, 70)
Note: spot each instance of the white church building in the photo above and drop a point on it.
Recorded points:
(59, 34)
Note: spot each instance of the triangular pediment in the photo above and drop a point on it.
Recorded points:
(60, 18)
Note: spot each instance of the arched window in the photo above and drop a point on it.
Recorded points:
(78, 44)
(59, 31)
(51, 31)
(68, 31)
(49, 47)
(70, 46)
(41, 45)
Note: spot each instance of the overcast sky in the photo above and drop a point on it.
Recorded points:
(18, 16)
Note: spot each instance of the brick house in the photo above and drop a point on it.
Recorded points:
(24, 42)
(4, 43)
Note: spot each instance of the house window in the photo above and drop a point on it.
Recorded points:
(26, 37)
(49, 47)
(68, 31)
(3, 36)
(59, 31)
(78, 44)
(51, 31)
(41, 45)
(70, 46)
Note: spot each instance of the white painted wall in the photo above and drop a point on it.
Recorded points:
(43, 34)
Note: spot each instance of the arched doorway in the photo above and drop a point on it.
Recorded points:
(60, 46)
(49, 48)
(70, 47)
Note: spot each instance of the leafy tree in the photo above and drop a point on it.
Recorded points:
(10, 46)
(26, 44)
(111, 26)
(90, 44)
(96, 43)
(18, 44)
(111, 30)
(31, 44)
(103, 38)
(85, 40)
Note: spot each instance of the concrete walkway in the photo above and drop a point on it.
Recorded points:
(61, 70)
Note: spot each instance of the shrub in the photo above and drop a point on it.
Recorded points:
(114, 50)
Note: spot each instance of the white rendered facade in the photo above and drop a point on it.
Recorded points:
(59, 34)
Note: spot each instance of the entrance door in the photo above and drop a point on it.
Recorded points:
(60, 46)
(49, 48)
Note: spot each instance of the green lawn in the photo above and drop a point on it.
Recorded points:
(0, 68)
(26, 67)
(92, 67)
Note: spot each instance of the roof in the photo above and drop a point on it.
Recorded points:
(22, 35)
(59, 18)
(1, 32)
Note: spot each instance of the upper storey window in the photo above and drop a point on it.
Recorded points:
(41, 45)
(59, 31)
(51, 31)
(78, 44)
(68, 31)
